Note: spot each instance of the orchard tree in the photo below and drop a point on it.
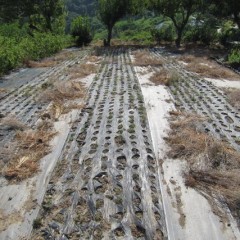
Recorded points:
(52, 11)
(81, 31)
(179, 11)
(111, 11)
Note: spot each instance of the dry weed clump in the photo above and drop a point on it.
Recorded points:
(81, 71)
(3, 90)
(143, 59)
(207, 68)
(93, 59)
(61, 95)
(42, 64)
(30, 147)
(234, 97)
(64, 91)
(214, 165)
(51, 61)
(12, 123)
(164, 77)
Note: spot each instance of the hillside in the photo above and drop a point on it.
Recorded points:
(81, 7)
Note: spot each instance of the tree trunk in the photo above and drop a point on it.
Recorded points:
(179, 38)
(109, 36)
(48, 23)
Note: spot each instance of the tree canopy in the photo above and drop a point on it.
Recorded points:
(179, 11)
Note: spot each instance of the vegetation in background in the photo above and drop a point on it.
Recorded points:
(202, 28)
(110, 12)
(30, 30)
(17, 46)
(138, 29)
(227, 9)
(81, 30)
(178, 11)
(164, 31)
(234, 57)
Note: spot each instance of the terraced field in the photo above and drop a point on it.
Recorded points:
(103, 177)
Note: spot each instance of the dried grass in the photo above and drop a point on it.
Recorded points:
(234, 97)
(50, 62)
(64, 91)
(12, 123)
(3, 90)
(93, 59)
(207, 68)
(81, 71)
(144, 58)
(214, 165)
(61, 96)
(42, 64)
(31, 146)
(164, 77)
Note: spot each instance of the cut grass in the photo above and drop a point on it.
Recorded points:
(164, 77)
(143, 58)
(30, 146)
(207, 68)
(213, 165)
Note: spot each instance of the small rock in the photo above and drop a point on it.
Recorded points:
(54, 225)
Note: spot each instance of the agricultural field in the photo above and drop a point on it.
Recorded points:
(120, 143)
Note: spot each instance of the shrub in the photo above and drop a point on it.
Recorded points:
(165, 32)
(81, 30)
(228, 33)
(234, 57)
(17, 46)
(204, 31)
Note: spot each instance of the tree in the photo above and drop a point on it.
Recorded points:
(12, 10)
(111, 11)
(81, 29)
(179, 11)
(227, 8)
(52, 12)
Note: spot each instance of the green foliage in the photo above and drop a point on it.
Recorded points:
(49, 15)
(18, 48)
(164, 32)
(179, 11)
(12, 10)
(137, 29)
(234, 57)
(227, 8)
(228, 33)
(111, 11)
(81, 30)
(203, 29)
